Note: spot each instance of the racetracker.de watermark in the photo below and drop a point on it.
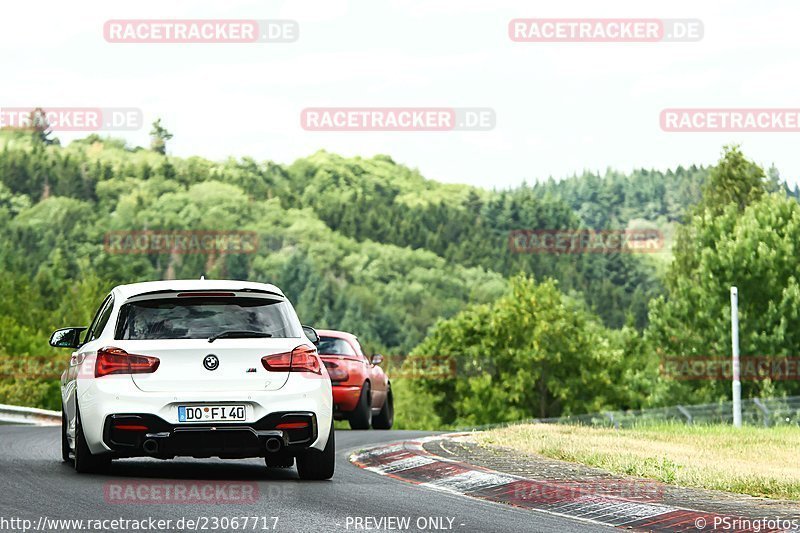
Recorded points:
(181, 242)
(397, 119)
(201, 31)
(32, 367)
(181, 492)
(431, 367)
(578, 241)
(751, 368)
(72, 118)
(604, 30)
(561, 491)
(730, 120)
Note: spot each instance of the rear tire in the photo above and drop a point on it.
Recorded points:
(317, 465)
(85, 461)
(385, 419)
(65, 451)
(361, 417)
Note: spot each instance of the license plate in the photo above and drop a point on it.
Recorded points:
(211, 413)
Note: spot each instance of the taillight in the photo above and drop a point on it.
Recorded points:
(301, 359)
(112, 360)
(292, 425)
(131, 427)
(196, 294)
(336, 373)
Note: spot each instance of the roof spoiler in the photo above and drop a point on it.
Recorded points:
(175, 291)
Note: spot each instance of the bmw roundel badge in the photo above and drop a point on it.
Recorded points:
(211, 362)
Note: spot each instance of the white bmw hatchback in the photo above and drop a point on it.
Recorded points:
(196, 368)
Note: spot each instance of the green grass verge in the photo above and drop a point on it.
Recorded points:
(751, 460)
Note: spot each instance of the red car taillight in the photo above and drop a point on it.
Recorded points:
(336, 373)
(301, 359)
(112, 360)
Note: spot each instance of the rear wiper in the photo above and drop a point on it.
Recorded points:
(238, 333)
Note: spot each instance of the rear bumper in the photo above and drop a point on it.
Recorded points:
(229, 441)
(100, 399)
(345, 398)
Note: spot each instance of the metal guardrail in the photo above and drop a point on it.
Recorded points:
(755, 411)
(13, 414)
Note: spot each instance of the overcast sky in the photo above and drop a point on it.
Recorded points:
(561, 108)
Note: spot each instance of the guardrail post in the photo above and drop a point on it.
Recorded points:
(614, 421)
(764, 410)
(685, 412)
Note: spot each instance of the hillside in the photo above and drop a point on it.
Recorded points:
(366, 245)
(370, 208)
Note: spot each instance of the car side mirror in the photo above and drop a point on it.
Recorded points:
(377, 359)
(66, 337)
(312, 335)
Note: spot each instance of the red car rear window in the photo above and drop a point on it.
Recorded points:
(334, 346)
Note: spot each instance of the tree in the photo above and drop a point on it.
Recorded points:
(734, 180)
(533, 353)
(742, 236)
(159, 137)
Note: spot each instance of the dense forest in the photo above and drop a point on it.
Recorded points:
(408, 264)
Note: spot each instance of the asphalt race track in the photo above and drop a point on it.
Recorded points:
(36, 484)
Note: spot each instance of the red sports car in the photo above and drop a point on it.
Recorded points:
(362, 393)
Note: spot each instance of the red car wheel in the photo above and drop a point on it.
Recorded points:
(361, 417)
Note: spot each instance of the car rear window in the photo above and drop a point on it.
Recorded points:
(199, 318)
(334, 346)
